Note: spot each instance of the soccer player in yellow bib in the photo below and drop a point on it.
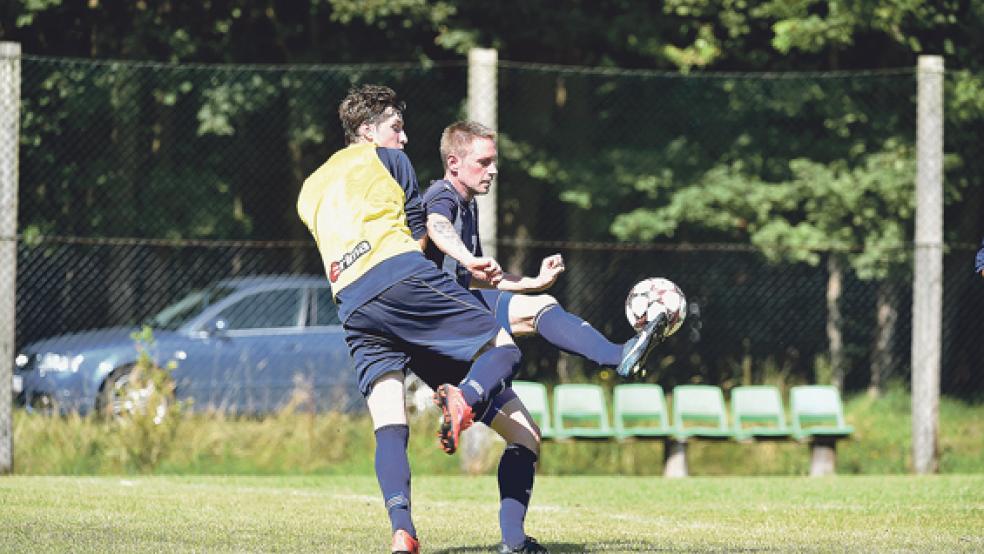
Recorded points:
(399, 310)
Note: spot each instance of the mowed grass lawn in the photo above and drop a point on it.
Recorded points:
(459, 514)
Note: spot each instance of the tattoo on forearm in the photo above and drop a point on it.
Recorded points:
(443, 228)
(447, 238)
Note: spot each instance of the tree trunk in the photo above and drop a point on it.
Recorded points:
(835, 333)
(883, 354)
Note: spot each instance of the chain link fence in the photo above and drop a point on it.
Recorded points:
(141, 182)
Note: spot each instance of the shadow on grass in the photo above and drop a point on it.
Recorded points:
(566, 547)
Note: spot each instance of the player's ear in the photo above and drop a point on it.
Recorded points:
(365, 132)
(453, 163)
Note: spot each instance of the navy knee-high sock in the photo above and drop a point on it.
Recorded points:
(516, 470)
(393, 474)
(489, 373)
(572, 334)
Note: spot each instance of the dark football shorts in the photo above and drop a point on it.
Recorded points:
(498, 302)
(426, 316)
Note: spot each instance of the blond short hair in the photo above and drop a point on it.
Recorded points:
(457, 138)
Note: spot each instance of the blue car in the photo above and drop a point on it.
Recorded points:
(242, 346)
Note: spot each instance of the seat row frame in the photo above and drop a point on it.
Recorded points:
(580, 412)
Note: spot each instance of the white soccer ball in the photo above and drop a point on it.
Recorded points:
(649, 297)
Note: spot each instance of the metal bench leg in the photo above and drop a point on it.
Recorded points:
(674, 458)
(823, 457)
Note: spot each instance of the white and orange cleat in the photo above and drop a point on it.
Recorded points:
(456, 415)
(403, 543)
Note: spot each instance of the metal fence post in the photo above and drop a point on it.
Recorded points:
(927, 285)
(10, 53)
(482, 107)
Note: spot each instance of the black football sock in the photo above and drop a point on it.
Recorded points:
(489, 374)
(393, 474)
(517, 468)
(572, 334)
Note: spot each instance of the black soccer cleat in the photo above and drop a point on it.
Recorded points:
(637, 349)
(529, 546)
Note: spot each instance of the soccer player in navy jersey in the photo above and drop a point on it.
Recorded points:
(398, 310)
(469, 153)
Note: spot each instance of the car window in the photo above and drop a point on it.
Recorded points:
(326, 312)
(175, 315)
(272, 308)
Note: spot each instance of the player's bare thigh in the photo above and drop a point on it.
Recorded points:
(516, 426)
(502, 338)
(523, 310)
(387, 400)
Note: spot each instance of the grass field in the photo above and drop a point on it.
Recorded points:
(459, 514)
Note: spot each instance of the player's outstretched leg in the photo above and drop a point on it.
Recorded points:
(570, 333)
(637, 349)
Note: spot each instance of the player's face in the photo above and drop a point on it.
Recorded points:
(388, 133)
(477, 169)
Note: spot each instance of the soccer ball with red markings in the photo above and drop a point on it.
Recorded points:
(651, 296)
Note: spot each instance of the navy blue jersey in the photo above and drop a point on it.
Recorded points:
(441, 198)
(399, 166)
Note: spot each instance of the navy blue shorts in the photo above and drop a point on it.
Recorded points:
(426, 316)
(498, 302)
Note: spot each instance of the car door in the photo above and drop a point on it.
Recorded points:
(262, 331)
(325, 357)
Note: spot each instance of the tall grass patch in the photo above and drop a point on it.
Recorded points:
(297, 441)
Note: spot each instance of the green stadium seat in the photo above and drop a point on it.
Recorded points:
(757, 413)
(698, 411)
(534, 397)
(816, 411)
(580, 412)
(639, 410)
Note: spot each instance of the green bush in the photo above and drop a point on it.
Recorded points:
(143, 415)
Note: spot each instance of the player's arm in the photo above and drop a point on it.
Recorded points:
(484, 270)
(399, 166)
(550, 268)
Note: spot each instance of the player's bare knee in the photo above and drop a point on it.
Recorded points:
(516, 426)
(503, 338)
(524, 311)
(536, 437)
(387, 401)
(530, 440)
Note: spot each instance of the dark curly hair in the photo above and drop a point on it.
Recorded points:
(366, 104)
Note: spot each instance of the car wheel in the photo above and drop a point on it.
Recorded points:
(119, 398)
